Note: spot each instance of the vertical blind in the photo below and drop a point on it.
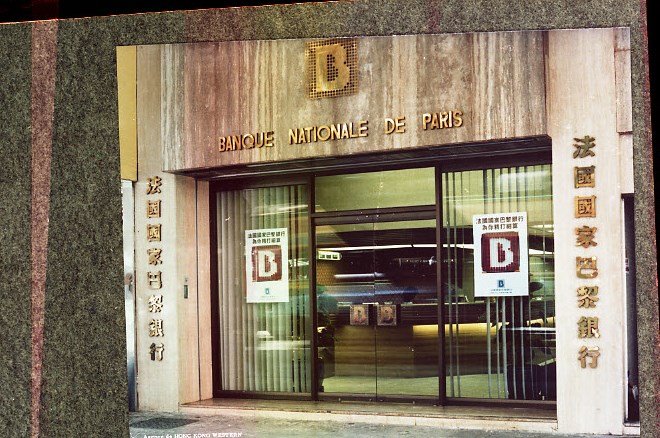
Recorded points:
(264, 347)
(515, 335)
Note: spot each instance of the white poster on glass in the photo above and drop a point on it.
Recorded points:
(267, 265)
(501, 266)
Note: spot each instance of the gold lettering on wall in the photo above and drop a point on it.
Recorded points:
(585, 206)
(155, 303)
(588, 353)
(588, 327)
(583, 147)
(153, 185)
(395, 125)
(584, 176)
(156, 351)
(338, 131)
(587, 296)
(442, 120)
(586, 267)
(585, 236)
(246, 141)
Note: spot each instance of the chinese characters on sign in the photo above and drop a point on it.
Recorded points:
(153, 232)
(583, 147)
(500, 254)
(156, 351)
(588, 327)
(155, 303)
(585, 236)
(155, 327)
(153, 185)
(588, 352)
(585, 206)
(586, 266)
(154, 256)
(154, 278)
(587, 296)
(153, 209)
(585, 176)
(267, 265)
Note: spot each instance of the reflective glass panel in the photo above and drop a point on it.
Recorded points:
(377, 308)
(499, 346)
(263, 286)
(392, 188)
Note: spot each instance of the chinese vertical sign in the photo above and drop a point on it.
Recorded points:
(267, 265)
(154, 276)
(586, 265)
(501, 266)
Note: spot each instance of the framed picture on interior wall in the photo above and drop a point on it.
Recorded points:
(386, 314)
(359, 314)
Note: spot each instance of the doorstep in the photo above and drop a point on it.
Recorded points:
(523, 419)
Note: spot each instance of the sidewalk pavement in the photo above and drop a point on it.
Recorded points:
(186, 425)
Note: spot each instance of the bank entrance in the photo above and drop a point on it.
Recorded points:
(360, 285)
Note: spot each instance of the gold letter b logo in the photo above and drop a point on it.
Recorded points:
(332, 73)
(331, 67)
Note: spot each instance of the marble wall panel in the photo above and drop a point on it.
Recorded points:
(494, 82)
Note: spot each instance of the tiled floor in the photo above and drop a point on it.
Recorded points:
(524, 419)
(375, 408)
(228, 422)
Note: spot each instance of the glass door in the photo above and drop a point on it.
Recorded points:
(376, 284)
(345, 296)
(377, 309)
(406, 309)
